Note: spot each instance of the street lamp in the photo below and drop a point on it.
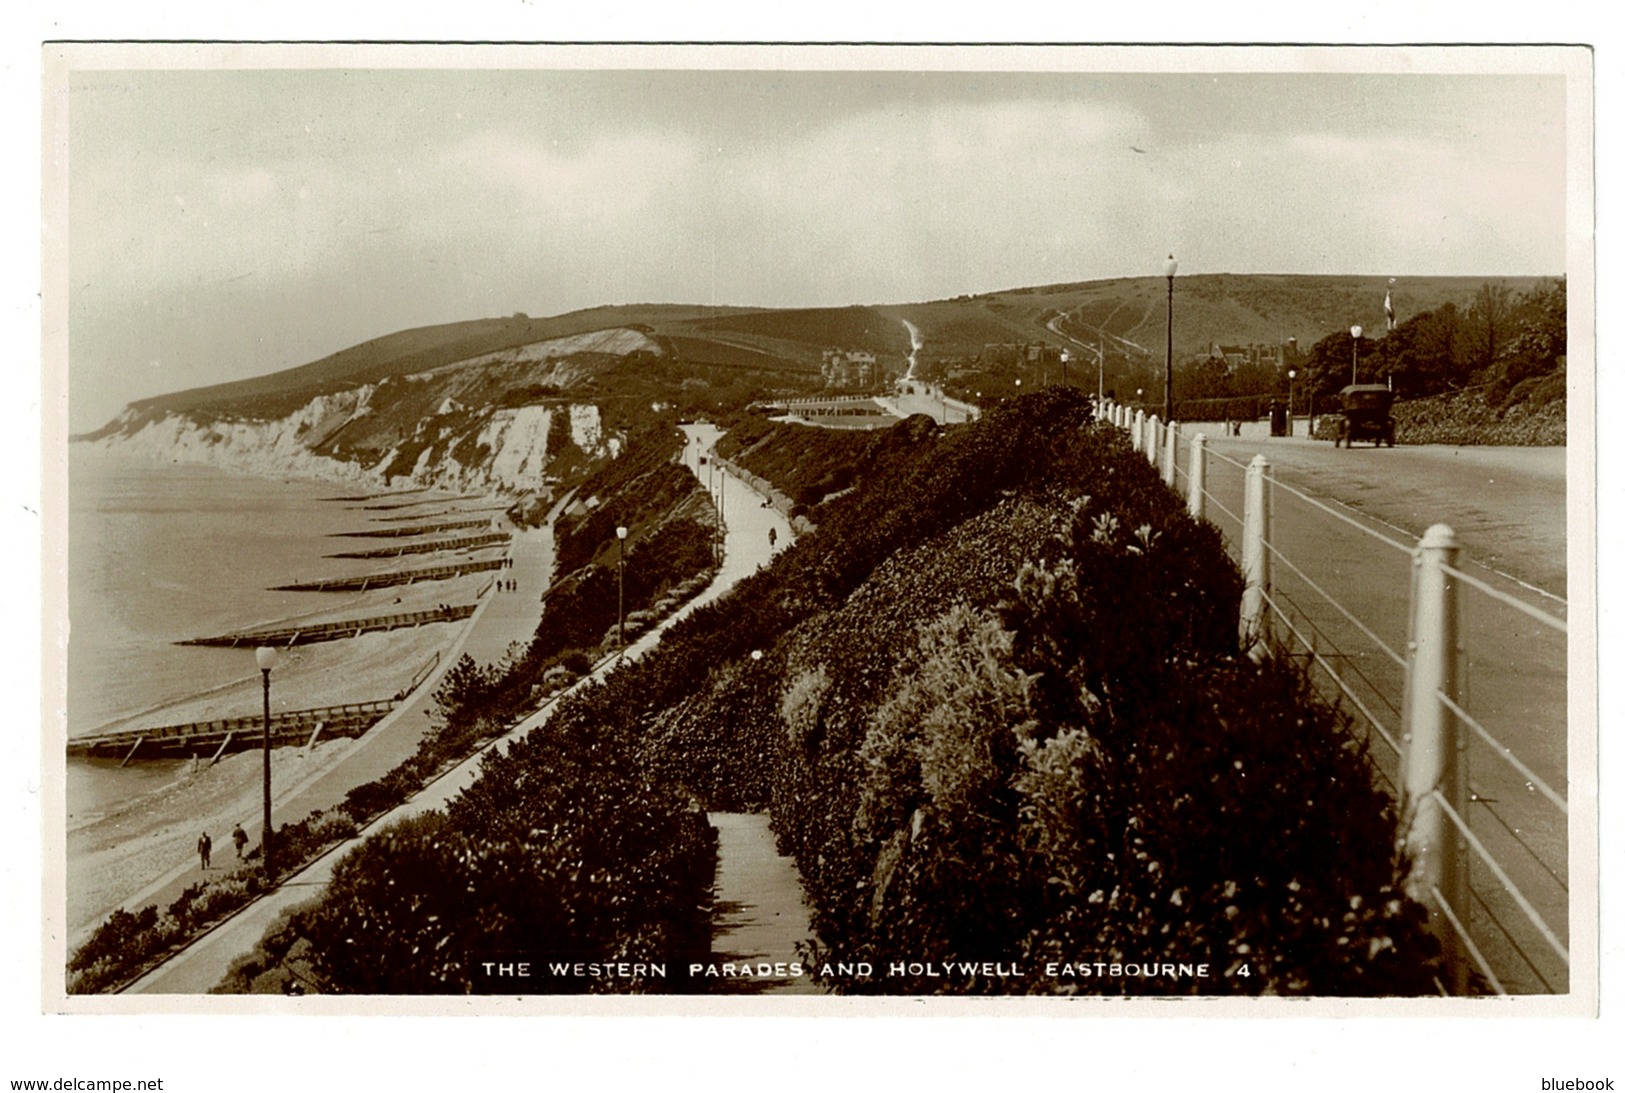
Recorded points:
(620, 582)
(1291, 375)
(1169, 269)
(265, 657)
(1354, 374)
(1063, 368)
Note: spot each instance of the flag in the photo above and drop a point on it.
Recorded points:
(1388, 303)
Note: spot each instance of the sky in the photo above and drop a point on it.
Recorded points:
(226, 222)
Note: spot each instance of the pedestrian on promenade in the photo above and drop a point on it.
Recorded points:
(239, 838)
(772, 537)
(203, 847)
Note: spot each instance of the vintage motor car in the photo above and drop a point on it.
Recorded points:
(1366, 415)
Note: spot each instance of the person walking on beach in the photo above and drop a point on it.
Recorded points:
(239, 838)
(203, 848)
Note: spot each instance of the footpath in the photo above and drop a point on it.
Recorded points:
(201, 965)
(760, 912)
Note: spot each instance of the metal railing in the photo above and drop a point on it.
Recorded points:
(1465, 713)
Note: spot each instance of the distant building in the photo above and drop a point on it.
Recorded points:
(854, 368)
(1261, 354)
(1018, 354)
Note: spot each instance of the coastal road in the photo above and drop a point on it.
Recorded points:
(1508, 508)
(199, 967)
(503, 617)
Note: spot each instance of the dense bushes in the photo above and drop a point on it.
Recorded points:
(1537, 417)
(972, 759)
(1091, 773)
(807, 463)
(1241, 408)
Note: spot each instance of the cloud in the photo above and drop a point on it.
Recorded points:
(613, 176)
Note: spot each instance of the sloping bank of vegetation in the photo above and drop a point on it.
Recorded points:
(998, 715)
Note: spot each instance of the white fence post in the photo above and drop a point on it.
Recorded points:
(1255, 555)
(1153, 435)
(1432, 759)
(1136, 434)
(1170, 454)
(1196, 499)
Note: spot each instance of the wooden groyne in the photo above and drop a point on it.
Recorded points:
(334, 631)
(467, 542)
(215, 738)
(380, 496)
(425, 500)
(449, 512)
(401, 533)
(393, 577)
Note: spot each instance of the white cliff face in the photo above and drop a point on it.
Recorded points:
(518, 440)
(512, 445)
(267, 448)
(586, 426)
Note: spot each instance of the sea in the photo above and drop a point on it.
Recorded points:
(162, 552)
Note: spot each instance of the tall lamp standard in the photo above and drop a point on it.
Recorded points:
(1169, 269)
(1291, 378)
(620, 588)
(1354, 374)
(1063, 368)
(265, 657)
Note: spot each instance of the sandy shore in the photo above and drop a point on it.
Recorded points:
(370, 666)
(142, 840)
(116, 851)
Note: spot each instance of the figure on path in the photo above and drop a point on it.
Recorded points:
(203, 848)
(772, 537)
(239, 838)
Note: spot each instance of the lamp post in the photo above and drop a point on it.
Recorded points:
(1169, 269)
(620, 587)
(1063, 368)
(1291, 377)
(1354, 374)
(265, 657)
(1100, 374)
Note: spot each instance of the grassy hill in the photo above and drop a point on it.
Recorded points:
(1128, 316)
(757, 350)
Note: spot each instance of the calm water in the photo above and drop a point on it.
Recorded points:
(159, 553)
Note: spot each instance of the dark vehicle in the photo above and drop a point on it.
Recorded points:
(1366, 415)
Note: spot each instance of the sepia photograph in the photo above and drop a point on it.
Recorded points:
(812, 530)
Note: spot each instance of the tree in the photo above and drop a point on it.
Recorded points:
(1419, 354)
(1486, 329)
(1537, 341)
(1330, 360)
